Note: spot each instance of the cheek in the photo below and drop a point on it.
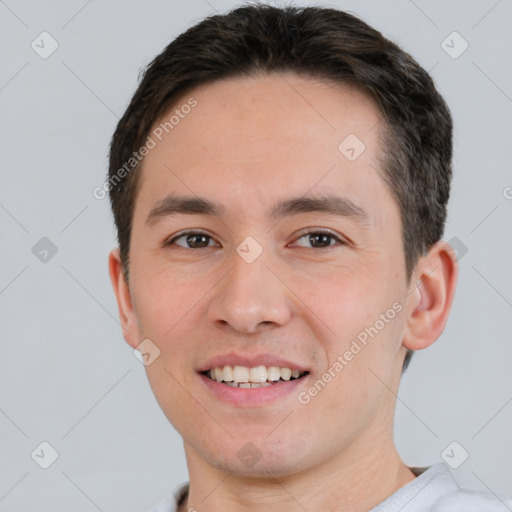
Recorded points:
(163, 297)
(342, 300)
(358, 317)
(170, 390)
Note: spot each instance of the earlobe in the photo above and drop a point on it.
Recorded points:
(431, 296)
(127, 316)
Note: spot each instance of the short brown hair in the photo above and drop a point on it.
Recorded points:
(311, 41)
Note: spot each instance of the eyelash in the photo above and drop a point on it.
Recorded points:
(311, 232)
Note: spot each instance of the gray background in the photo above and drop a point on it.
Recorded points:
(67, 376)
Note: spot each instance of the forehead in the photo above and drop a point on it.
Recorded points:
(253, 139)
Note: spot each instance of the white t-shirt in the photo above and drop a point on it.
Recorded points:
(433, 490)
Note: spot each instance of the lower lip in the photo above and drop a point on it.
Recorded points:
(253, 397)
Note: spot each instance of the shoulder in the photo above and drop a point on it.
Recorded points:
(436, 490)
(172, 502)
(464, 500)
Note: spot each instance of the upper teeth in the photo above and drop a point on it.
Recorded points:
(256, 374)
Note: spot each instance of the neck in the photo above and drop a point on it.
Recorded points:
(357, 479)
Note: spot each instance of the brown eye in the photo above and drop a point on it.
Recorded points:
(193, 240)
(320, 239)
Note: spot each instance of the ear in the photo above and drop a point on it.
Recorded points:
(430, 296)
(124, 301)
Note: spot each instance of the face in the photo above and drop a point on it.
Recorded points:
(290, 257)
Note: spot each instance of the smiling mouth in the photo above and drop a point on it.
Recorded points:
(255, 377)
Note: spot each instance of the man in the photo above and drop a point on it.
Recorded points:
(279, 184)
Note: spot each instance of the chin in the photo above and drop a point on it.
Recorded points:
(256, 456)
(263, 468)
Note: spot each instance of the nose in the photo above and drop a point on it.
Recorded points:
(250, 297)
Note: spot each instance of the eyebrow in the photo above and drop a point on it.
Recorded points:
(194, 205)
